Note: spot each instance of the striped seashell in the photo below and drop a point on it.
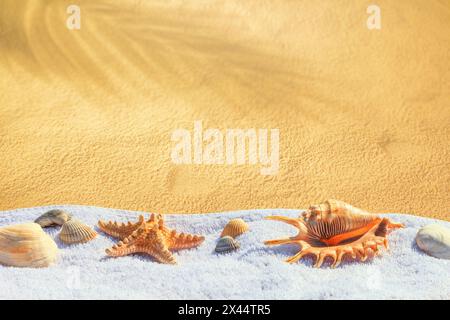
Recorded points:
(74, 231)
(26, 245)
(335, 229)
(434, 239)
(234, 228)
(53, 217)
(227, 244)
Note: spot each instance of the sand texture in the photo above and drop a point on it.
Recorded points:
(86, 115)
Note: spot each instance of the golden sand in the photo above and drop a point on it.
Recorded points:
(86, 115)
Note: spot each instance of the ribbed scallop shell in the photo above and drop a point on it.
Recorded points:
(334, 217)
(234, 228)
(434, 240)
(53, 217)
(74, 231)
(26, 245)
(227, 244)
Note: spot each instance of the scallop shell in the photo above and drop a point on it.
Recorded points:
(53, 217)
(227, 244)
(234, 228)
(26, 245)
(434, 240)
(75, 231)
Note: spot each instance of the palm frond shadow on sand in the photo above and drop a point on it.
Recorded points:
(120, 49)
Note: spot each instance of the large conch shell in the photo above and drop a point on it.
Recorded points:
(26, 245)
(75, 231)
(334, 229)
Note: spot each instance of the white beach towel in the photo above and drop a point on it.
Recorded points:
(255, 271)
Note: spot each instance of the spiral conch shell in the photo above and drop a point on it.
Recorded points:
(74, 231)
(335, 229)
(234, 228)
(434, 240)
(26, 245)
(226, 244)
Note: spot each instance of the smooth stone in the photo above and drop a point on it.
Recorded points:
(434, 240)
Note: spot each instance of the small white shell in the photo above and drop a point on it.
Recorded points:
(234, 228)
(74, 231)
(226, 244)
(53, 217)
(434, 240)
(26, 245)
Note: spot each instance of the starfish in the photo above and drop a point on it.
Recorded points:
(151, 237)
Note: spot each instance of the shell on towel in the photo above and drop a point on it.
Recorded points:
(334, 229)
(227, 244)
(26, 245)
(75, 231)
(434, 240)
(234, 228)
(124, 230)
(53, 217)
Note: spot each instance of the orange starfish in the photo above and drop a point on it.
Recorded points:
(150, 237)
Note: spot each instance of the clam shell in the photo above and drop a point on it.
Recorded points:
(234, 228)
(434, 240)
(75, 231)
(227, 244)
(53, 217)
(26, 245)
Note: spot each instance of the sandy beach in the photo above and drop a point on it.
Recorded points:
(86, 116)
